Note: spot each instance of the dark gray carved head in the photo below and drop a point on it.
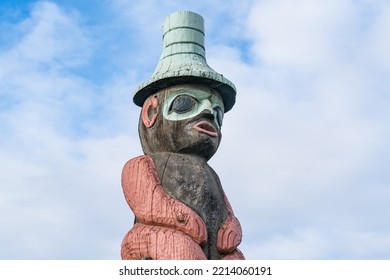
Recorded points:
(182, 119)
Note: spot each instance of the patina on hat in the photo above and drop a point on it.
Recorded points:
(183, 60)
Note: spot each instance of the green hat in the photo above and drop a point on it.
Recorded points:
(183, 60)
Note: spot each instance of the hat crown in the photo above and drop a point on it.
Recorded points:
(183, 43)
(183, 60)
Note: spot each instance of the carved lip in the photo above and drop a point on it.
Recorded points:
(207, 128)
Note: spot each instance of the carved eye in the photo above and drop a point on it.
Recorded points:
(219, 115)
(182, 104)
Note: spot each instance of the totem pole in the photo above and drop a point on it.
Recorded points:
(180, 208)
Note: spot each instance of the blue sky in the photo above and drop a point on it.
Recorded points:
(305, 154)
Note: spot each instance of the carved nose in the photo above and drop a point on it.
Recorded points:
(207, 106)
(207, 114)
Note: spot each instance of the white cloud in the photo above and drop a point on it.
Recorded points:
(51, 38)
(315, 243)
(309, 125)
(62, 149)
(301, 33)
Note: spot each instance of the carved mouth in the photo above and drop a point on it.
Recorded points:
(207, 128)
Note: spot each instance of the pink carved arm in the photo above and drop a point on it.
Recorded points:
(153, 206)
(230, 236)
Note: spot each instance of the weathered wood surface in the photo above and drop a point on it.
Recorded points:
(180, 208)
(176, 196)
(166, 228)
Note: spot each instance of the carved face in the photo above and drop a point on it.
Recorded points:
(182, 119)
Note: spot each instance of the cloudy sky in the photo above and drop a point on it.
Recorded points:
(305, 155)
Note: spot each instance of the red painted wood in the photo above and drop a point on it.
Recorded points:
(230, 234)
(159, 243)
(165, 227)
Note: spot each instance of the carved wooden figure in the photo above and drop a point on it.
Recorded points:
(180, 208)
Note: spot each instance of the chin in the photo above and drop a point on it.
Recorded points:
(204, 146)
